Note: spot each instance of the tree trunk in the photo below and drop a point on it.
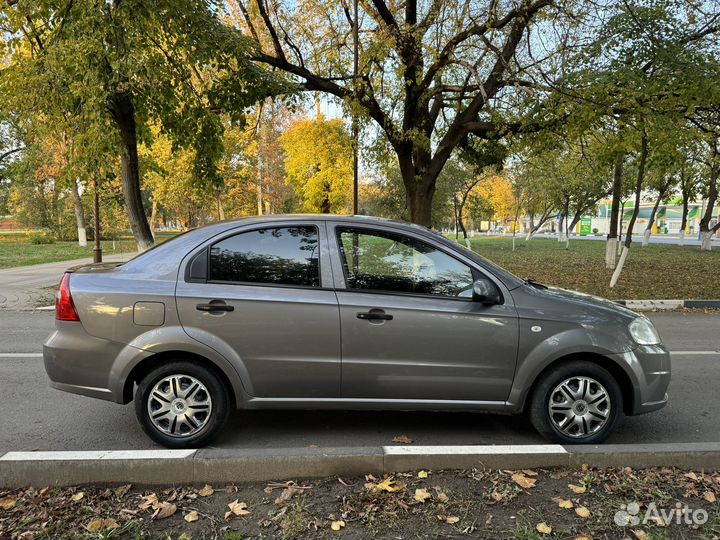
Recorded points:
(706, 233)
(683, 221)
(79, 216)
(612, 238)
(651, 219)
(153, 216)
(420, 203)
(123, 112)
(636, 210)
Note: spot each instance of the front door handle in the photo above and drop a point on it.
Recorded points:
(373, 315)
(214, 306)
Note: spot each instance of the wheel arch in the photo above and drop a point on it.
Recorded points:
(624, 381)
(146, 365)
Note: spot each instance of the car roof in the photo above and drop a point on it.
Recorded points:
(325, 217)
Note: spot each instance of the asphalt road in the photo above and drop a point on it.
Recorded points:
(36, 417)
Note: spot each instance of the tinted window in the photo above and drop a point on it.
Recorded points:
(396, 263)
(283, 256)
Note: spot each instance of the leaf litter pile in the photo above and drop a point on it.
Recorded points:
(542, 503)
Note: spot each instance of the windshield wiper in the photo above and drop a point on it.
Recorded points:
(535, 284)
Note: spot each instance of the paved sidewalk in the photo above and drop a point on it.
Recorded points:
(19, 285)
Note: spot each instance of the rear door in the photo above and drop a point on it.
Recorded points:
(266, 293)
(410, 328)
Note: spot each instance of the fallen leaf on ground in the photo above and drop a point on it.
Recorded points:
(337, 525)
(422, 474)
(449, 519)
(148, 502)
(388, 485)
(563, 503)
(191, 516)
(421, 495)
(164, 510)
(529, 472)
(78, 496)
(523, 481)
(576, 489)
(441, 496)
(640, 534)
(206, 491)
(543, 528)
(97, 525)
(402, 439)
(582, 511)
(287, 494)
(184, 536)
(497, 496)
(238, 508)
(692, 476)
(122, 491)
(709, 496)
(7, 503)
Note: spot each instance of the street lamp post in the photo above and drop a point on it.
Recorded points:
(355, 128)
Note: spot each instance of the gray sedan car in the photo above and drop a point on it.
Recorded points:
(319, 312)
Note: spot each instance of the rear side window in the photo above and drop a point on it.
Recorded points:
(274, 256)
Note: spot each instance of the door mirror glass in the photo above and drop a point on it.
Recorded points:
(486, 291)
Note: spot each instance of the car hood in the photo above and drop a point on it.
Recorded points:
(574, 303)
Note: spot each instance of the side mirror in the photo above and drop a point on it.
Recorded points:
(486, 291)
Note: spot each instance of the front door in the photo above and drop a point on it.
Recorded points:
(262, 296)
(410, 328)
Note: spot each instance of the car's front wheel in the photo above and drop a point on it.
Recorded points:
(577, 402)
(182, 404)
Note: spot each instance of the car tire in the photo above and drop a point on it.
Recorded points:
(182, 404)
(567, 404)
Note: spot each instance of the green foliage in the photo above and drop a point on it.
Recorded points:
(39, 238)
(318, 163)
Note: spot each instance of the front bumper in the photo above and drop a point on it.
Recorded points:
(650, 376)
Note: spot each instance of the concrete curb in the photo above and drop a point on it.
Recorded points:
(668, 304)
(168, 467)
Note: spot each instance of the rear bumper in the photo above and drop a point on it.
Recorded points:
(650, 365)
(79, 363)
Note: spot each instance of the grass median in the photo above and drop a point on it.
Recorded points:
(656, 271)
(525, 504)
(17, 249)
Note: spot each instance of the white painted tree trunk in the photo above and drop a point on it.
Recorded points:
(529, 235)
(468, 244)
(561, 236)
(646, 237)
(82, 237)
(618, 270)
(513, 243)
(611, 253)
(706, 241)
(681, 238)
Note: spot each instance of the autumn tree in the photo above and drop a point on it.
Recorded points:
(318, 164)
(431, 75)
(125, 64)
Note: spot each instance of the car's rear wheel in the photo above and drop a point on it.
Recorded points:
(182, 404)
(577, 402)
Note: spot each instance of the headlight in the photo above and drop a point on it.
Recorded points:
(643, 332)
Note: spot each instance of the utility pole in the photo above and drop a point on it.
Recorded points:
(355, 130)
(97, 250)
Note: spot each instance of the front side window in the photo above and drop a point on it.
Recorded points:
(276, 256)
(382, 261)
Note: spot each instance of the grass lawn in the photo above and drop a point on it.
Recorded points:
(16, 249)
(657, 271)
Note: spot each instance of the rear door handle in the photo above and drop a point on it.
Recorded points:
(214, 307)
(375, 316)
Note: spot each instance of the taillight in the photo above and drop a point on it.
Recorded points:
(64, 307)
